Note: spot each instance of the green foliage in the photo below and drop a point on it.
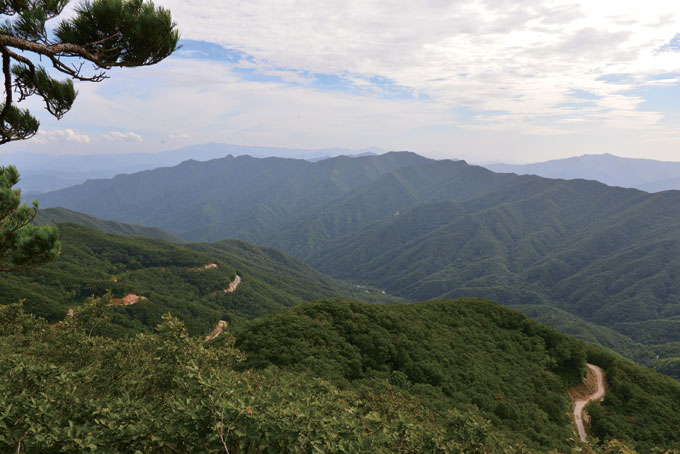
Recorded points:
(106, 33)
(122, 32)
(464, 354)
(171, 277)
(22, 245)
(63, 390)
(425, 229)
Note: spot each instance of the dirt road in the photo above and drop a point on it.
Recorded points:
(233, 285)
(580, 404)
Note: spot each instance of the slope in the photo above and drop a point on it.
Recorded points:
(242, 197)
(464, 354)
(608, 255)
(54, 216)
(168, 277)
(386, 197)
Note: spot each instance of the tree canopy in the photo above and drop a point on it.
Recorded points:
(22, 245)
(106, 33)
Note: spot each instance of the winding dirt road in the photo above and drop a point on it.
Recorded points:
(233, 285)
(580, 404)
(217, 331)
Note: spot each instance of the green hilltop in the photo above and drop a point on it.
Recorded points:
(467, 354)
(54, 216)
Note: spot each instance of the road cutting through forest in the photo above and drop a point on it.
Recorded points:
(579, 404)
(233, 285)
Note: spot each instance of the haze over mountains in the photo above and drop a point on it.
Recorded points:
(44, 172)
(420, 228)
(645, 174)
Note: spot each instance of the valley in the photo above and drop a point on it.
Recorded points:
(421, 228)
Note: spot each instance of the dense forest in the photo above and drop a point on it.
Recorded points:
(441, 376)
(332, 376)
(170, 278)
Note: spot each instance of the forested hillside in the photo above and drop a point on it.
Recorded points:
(54, 216)
(187, 280)
(466, 354)
(232, 197)
(330, 376)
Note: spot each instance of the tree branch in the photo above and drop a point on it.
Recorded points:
(8, 84)
(63, 50)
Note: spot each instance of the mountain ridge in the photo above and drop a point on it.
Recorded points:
(645, 174)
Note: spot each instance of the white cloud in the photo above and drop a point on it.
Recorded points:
(521, 56)
(117, 136)
(60, 135)
(181, 137)
(497, 78)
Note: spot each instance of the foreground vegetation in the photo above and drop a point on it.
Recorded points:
(467, 354)
(63, 389)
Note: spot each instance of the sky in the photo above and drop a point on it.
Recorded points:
(484, 80)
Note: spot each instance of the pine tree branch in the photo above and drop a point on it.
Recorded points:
(63, 50)
(8, 85)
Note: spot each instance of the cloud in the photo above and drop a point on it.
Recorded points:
(521, 56)
(673, 45)
(60, 135)
(489, 77)
(117, 136)
(181, 137)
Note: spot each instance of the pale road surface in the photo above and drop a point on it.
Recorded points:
(234, 285)
(581, 403)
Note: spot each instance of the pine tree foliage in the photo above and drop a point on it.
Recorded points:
(106, 33)
(22, 245)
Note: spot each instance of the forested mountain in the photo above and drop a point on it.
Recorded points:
(645, 174)
(422, 229)
(384, 198)
(168, 277)
(45, 172)
(232, 197)
(54, 216)
(608, 255)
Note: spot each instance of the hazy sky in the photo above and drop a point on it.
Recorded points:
(486, 80)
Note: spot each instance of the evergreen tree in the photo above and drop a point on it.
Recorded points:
(22, 244)
(106, 33)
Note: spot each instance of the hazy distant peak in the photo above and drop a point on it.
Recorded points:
(644, 174)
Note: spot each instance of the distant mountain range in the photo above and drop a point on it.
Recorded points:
(42, 173)
(567, 251)
(645, 174)
(232, 197)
